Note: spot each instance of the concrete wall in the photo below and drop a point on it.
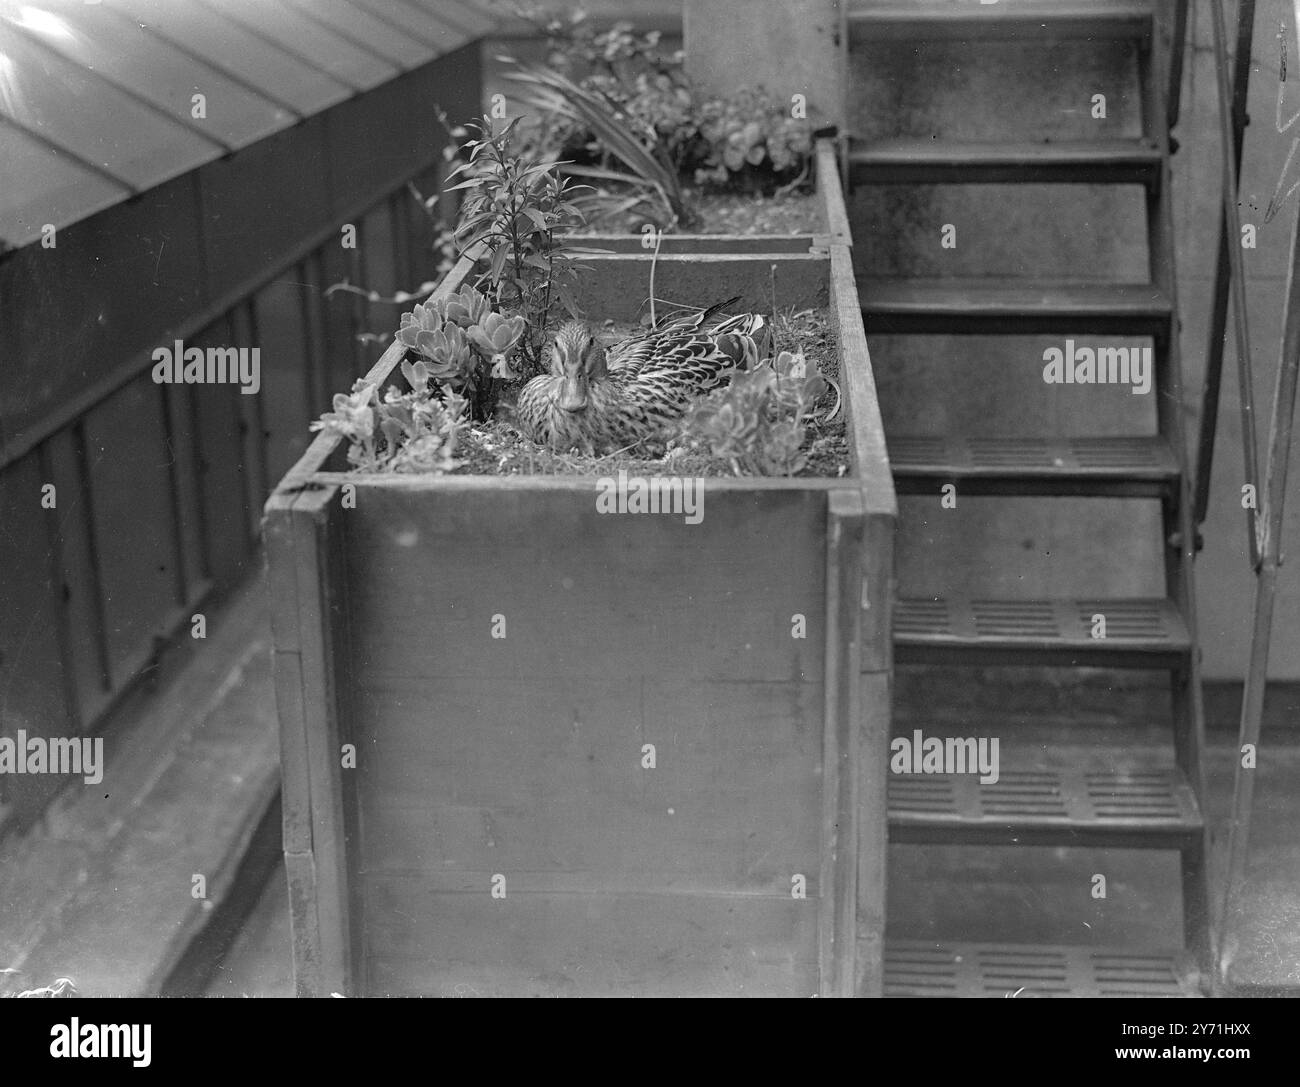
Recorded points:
(789, 47)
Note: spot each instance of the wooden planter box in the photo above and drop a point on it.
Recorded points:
(516, 762)
(700, 266)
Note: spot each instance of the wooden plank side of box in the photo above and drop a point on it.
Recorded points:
(621, 639)
(617, 285)
(554, 943)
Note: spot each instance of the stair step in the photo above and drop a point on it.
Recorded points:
(921, 160)
(1008, 20)
(944, 968)
(1111, 467)
(1143, 632)
(1012, 307)
(1147, 808)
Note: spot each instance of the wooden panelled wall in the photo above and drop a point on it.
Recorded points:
(160, 487)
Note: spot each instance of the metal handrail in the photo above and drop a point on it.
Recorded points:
(1252, 709)
(1229, 278)
(1268, 558)
(1178, 49)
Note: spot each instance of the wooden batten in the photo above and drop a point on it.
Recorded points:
(846, 519)
(834, 211)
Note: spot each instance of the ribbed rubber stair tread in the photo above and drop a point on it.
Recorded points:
(950, 968)
(1008, 20)
(1141, 632)
(1148, 807)
(1011, 305)
(922, 160)
(1098, 466)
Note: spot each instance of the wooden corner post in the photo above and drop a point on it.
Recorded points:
(297, 531)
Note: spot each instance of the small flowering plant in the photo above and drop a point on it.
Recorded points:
(757, 422)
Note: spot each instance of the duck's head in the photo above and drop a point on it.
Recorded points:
(577, 359)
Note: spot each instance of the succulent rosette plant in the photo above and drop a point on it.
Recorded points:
(757, 422)
(468, 308)
(495, 337)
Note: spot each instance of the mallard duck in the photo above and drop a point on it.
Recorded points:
(597, 398)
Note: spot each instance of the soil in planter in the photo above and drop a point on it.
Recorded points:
(497, 449)
(723, 213)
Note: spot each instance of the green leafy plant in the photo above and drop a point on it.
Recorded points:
(513, 211)
(749, 140)
(758, 421)
(635, 129)
(412, 431)
(612, 98)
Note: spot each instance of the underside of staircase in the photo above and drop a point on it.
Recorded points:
(957, 621)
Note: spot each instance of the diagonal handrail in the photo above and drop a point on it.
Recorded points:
(1232, 223)
(1273, 502)
(1268, 538)
(1229, 278)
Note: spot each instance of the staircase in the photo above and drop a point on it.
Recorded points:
(1121, 798)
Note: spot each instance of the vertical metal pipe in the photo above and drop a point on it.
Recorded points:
(1230, 239)
(1223, 270)
(1177, 48)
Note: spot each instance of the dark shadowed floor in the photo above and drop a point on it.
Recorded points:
(1008, 896)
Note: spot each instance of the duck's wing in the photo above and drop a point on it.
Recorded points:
(681, 337)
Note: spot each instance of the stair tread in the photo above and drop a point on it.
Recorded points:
(1011, 19)
(892, 305)
(1144, 805)
(920, 159)
(1035, 465)
(1010, 297)
(960, 969)
(1144, 632)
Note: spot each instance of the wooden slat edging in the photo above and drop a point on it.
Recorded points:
(873, 830)
(295, 779)
(832, 194)
(694, 244)
(312, 513)
(866, 429)
(837, 938)
(282, 588)
(878, 591)
(304, 931)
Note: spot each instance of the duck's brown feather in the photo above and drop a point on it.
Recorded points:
(652, 379)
